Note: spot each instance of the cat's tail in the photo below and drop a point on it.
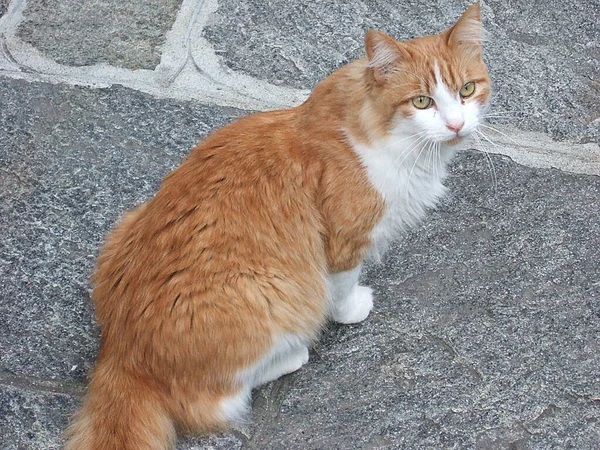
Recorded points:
(120, 413)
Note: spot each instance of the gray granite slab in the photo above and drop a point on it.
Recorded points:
(544, 57)
(123, 34)
(32, 419)
(485, 332)
(72, 160)
(3, 7)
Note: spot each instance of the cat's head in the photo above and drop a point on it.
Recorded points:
(436, 86)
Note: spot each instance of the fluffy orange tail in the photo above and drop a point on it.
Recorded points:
(120, 413)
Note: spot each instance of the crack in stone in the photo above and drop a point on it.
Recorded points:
(474, 371)
(34, 384)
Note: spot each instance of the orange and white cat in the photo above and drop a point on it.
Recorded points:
(222, 281)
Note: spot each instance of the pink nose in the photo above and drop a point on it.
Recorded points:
(455, 126)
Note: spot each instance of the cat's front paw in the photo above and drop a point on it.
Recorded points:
(357, 306)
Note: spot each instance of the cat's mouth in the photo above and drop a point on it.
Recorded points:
(454, 141)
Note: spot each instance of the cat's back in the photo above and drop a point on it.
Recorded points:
(234, 224)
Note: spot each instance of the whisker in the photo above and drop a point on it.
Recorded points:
(429, 159)
(497, 115)
(406, 153)
(483, 135)
(415, 145)
(436, 160)
(420, 133)
(411, 171)
(499, 132)
(439, 158)
(489, 161)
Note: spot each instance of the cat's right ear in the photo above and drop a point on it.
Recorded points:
(384, 55)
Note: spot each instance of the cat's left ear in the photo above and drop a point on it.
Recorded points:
(384, 55)
(467, 33)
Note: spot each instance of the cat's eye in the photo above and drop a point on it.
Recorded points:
(422, 102)
(467, 90)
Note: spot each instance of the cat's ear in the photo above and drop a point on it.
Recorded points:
(384, 54)
(467, 33)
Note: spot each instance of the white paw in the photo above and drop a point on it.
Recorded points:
(281, 366)
(356, 308)
(295, 361)
(303, 356)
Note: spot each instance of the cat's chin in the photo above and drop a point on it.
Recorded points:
(454, 141)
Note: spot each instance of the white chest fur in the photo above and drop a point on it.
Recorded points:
(409, 177)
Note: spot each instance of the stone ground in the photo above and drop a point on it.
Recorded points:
(486, 327)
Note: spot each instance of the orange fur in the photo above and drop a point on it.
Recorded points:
(192, 287)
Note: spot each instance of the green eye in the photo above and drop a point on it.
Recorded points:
(422, 102)
(467, 90)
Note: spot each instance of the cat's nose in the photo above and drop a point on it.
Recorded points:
(455, 126)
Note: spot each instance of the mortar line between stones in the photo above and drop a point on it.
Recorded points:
(12, 18)
(209, 66)
(210, 85)
(175, 78)
(180, 31)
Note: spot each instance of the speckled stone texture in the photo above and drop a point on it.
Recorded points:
(484, 333)
(486, 322)
(72, 161)
(545, 58)
(125, 34)
(3, 7)
(32, 420)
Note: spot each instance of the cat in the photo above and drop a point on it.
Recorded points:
(221, 282)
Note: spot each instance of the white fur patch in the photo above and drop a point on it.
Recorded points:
(408, 168)
(342, 284)
(408, 173)
(448, 109)
(356, 307)
(448, 104)
(350, 303)
(235, 409)
(288, 353)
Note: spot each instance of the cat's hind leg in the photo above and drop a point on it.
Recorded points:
(287, 355)
(235, 409)
(282, 365)
(350, 303)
